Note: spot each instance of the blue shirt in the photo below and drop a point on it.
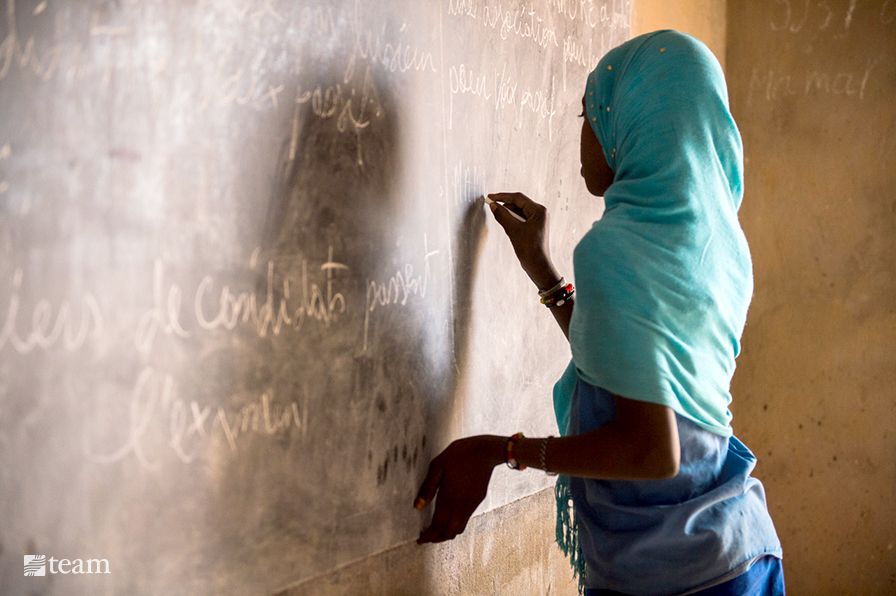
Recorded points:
(665, 537)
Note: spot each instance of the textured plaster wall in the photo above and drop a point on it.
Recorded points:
(812, 88)
(508, 551)
(704, 19)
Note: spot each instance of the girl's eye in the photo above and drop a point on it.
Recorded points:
(582, 115)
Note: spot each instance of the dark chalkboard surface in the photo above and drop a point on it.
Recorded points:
(247, 288)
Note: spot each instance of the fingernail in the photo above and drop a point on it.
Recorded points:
(419, 503)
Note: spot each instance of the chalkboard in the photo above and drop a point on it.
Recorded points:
(247, 287)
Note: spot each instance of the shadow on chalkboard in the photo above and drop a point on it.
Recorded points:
(336, 174)
(469, 242)
(340, 487)
(405, 568)
(298, 504)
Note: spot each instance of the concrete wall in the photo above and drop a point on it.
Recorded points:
(815, 388)
(508, 551)
(704, 19)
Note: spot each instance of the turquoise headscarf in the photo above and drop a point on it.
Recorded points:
(664, 278)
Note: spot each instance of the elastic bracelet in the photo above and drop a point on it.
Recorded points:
(548, 292)
(543, 456)
(560, 297)
(510, 460)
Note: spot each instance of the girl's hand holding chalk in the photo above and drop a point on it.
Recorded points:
(494, 205)
(526, 224)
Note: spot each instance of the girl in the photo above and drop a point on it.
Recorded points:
(663, 501)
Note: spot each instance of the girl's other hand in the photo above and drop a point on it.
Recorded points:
(529, 238)
(460, 475)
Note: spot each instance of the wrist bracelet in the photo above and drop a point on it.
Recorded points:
(559, 297)
(548, 292)
(543, 456)
(510, 459)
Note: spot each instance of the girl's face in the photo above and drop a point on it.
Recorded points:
(595, 169)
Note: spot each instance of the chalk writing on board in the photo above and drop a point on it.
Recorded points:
(262, 417)
(319, 19)
(529, 24)
(244, 85)
(524, 23)
(234, 308)
(466, 182)
(888, 12)
(541, 103)
(796, 16)
(771, 85)
(219, 308)
(392, 55)
(155, 408)
(490, 16)
(164, 315)
(464, 7)
(69, 329)
(574, 52)
(352, 107)
(44, 62)
(505, 88)
(13, 52)
(585, 11)
(398, 288)
(140, 416)
(462, 80)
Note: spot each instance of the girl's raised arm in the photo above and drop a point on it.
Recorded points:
(530, 242)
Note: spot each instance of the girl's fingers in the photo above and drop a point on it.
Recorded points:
(456, 527)
(524, 204)
(514, 198)
(429, 487)
(445, 526)
(503, 216)
(439, 526)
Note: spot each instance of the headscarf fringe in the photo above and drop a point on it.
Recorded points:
(567, 534)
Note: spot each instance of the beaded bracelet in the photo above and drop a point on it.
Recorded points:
(560, 297)
(510, 460)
